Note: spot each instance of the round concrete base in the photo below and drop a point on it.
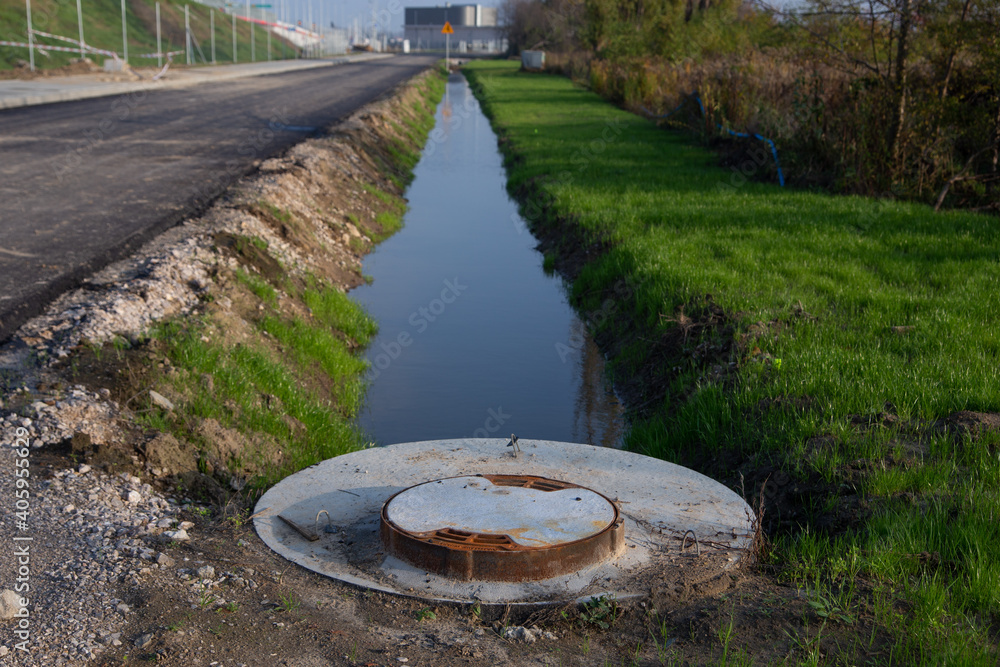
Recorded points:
(327, 518)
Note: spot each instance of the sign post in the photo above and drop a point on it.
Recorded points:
(447, 31)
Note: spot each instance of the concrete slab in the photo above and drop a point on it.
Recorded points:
(666, 509)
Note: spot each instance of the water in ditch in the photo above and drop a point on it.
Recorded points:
(475, 339)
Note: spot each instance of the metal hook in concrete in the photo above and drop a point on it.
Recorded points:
(695, 538)
(513, 443)
(329, 523)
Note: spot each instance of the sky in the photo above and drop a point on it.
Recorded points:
(343, 12)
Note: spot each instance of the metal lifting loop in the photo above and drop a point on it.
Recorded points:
(695, 538)
(329, 524)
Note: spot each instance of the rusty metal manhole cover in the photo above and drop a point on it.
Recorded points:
(501, 527)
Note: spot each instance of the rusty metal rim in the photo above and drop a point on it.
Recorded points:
(496, 557)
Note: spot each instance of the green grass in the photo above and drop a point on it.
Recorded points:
(256, 284)
(832, 306)
(102, 29)
(297, 385)
(313, 345)
(242, 374)
(386, 198)
(391, 220)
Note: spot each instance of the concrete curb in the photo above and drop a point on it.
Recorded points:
(84, 90)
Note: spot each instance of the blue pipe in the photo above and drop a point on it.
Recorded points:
(774, 149)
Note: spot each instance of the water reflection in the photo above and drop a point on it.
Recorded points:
(475, 339)
(597, 412)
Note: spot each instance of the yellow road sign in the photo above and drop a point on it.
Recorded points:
(447, 29)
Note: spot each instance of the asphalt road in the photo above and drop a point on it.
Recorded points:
(85, 183)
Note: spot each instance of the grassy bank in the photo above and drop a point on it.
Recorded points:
(102, 29)
(266, 377)
(819, 349)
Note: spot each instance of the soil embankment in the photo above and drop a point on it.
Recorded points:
(161, 398)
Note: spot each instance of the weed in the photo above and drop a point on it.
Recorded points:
(549, 263)
(288, 602)
(635, 654)
(206, 598)
(828, 610)
(357, 245)
(662, 640)
(260, 287)
(426, 614)
(729, 655)
(177, 625)
(279, 214)
(809, 646)
(601, 611)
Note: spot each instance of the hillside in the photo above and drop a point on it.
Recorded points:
(102, 29)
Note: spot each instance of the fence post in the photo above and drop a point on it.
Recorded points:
(246, 15)
(79, 22)
(211, 21)
(124, 35)
(234, 37)
(159, 43)
(187, 33)
(268, 30)
(31, 39)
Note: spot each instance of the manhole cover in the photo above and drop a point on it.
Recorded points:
(501, 527)
(667, 526)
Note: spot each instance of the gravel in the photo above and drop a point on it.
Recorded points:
(93, 535)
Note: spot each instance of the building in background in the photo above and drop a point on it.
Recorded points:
(476, 28)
